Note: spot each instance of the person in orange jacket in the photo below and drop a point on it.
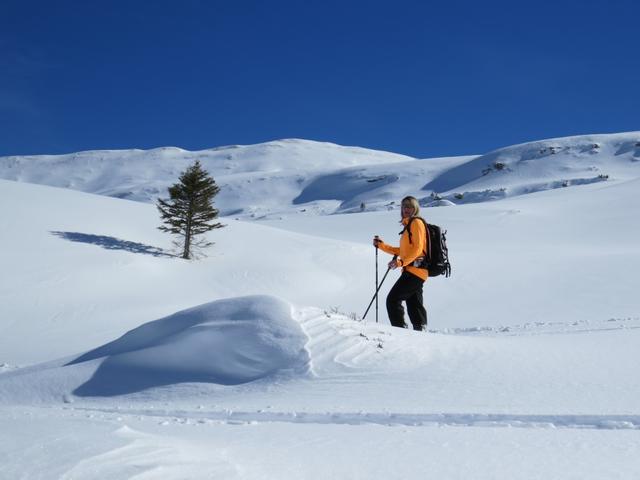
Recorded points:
(408, 288)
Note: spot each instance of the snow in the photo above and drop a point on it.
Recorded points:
(543, 165)
(255, 179)
(120, 360)
(278, 178)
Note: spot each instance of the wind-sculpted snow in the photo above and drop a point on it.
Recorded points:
(227, 342)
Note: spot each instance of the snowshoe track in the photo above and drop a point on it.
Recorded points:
(548, 328)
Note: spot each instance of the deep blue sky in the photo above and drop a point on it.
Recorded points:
(423, 78)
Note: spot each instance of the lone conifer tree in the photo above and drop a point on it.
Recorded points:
(189, 210)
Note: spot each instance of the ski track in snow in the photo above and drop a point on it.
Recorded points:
(600, 422)
(547, 328)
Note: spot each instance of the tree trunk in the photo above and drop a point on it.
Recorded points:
(186, 253)
(187, 246)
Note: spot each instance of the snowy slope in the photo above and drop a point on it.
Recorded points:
(542, 165)
(253, 178)
(286, 177)
(79, 252)
(119, 360)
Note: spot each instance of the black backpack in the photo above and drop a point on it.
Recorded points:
(436, 260)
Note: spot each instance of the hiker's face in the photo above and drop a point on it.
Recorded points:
(407, 210)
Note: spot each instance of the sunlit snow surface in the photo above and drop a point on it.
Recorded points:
(120, 360)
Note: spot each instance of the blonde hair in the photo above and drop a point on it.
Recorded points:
(413, 201)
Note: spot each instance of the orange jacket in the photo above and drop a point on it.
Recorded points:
(408, 252)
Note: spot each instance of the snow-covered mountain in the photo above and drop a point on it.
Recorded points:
(119, 360)
(253, 179)
(542, 165)
(299, 176)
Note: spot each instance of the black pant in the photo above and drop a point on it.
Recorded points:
(407, 289)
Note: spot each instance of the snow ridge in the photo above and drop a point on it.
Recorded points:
(288, 177)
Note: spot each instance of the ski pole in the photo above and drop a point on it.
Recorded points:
(376, 280)
(377, 290)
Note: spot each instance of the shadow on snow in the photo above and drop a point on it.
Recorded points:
(112, 243)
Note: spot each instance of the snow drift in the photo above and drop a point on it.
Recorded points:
(226, 342)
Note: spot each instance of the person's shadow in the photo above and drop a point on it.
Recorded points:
(112, 243)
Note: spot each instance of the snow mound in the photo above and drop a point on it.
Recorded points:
(441, 203)
(226, 342)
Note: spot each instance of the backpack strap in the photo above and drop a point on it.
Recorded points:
(407, 229)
